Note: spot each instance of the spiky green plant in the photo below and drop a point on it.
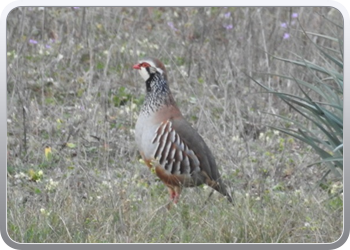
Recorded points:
(320, 103)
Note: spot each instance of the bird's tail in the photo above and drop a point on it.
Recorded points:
(221, 188)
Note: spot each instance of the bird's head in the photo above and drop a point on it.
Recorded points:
(149, 67)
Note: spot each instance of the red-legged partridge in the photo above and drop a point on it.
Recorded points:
(167, 142)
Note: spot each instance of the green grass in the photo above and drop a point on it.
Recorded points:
(80, 97)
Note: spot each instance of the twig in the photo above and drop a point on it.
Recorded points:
(64, 223)
(24, 133)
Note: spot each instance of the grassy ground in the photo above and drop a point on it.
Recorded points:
(73, 169)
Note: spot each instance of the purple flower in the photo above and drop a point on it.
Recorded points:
(228, 27)
(284, 25)
(32, 41)
(295, 15)
(286, 36)
(227, 15)
(76, 8)
(171, 25)
(48, 46)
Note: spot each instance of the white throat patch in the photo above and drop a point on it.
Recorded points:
(144, 73)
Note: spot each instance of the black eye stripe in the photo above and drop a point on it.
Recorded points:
(148, 70)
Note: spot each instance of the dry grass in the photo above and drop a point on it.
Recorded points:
(71, 87)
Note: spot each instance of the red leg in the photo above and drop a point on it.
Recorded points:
(176, 198)
(174, 194)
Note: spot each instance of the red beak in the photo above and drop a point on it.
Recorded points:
(137, 66)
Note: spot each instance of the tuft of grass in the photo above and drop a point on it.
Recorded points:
(319, 103)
